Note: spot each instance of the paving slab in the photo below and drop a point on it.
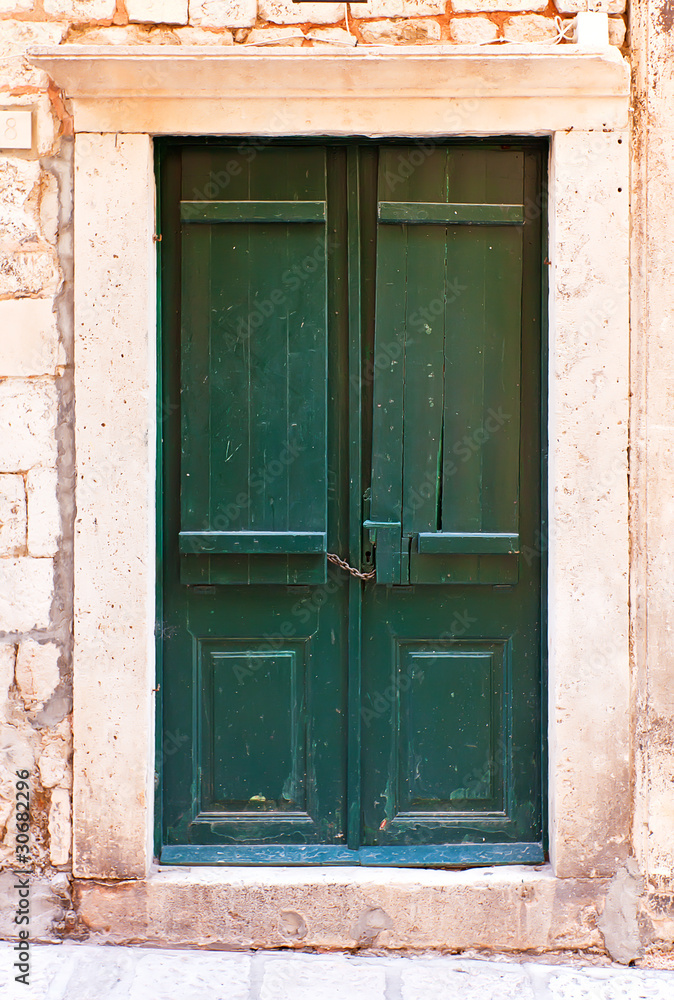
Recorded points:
(98, 972)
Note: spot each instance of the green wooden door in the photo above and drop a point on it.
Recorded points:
(350, 367)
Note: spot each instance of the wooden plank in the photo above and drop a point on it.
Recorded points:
(468, 275)
(457, 214)
(195, 350)
(253, 211)
(354, 782)
(470, 543)
(502, 383)
(423, 398)
(249, 542)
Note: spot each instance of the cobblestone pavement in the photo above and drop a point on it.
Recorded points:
(86, 972)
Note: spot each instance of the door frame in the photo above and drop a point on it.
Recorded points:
(589, 667)
(454, 854)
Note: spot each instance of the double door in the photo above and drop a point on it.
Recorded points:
(350, 580)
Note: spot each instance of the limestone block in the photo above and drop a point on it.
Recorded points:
(203, 36)
(7, 661)
(60, 827)
(15, 6)
(287, 12)
(29, 272)
(46, 909)
(157, 11)
(37, 672)
(275, 36)
(19, 196)
(54, 765)
(12, 515)
(49, 206)
(414, 30)
(28, 337)
(333, 37)
(398, 8)
(128, 34)
(328, 978)
(223, 13)
(472, 30)
(16, 38)
(26, 588)
(81, 10)
(44, 518)
(603, 6)
(45, 123)
(28, 414)
(617, 29)
(490, 6)
(530, 28)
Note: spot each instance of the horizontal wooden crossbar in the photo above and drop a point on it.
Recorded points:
(253, 211)
(467, 543)
(253, 542)
(440, 213)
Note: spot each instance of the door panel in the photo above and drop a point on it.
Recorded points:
(351, 365)
(253, 383)
(445, 468)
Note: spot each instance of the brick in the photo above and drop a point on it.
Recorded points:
(287, 12)
(60, 827)
(16, 38)
(157, 11)
(275, 36)
(26, 587)
(472, 30)
(492, 6)
(397, 8)
(28, 414)
(81, 10)
(12, 515)
(223, 13)
(412, 30)
(44, 518)
(530, 28)
(37, 672)
(29, 342)
(603, 6)
(617, 30)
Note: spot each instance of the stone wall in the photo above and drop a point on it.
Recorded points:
(37, 461)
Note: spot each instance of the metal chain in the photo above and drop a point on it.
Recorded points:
(343, 564)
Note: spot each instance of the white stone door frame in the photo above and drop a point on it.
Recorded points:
(121, 100)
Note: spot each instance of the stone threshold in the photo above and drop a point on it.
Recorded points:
(507, 909)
